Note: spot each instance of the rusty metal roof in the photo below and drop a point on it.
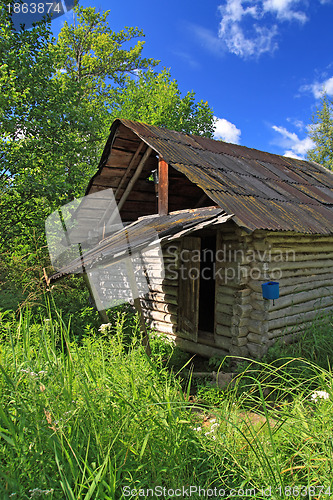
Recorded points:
(262, 190)
(141, 235)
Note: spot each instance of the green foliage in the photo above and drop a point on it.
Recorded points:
(315, 344)
(58, 99)
(322, 134)
(155, 98)
(84, 420)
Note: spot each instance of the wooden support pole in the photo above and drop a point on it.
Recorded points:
(137, 305)
(134, 178)
(163, 187)
(101, 312)
(131, 163)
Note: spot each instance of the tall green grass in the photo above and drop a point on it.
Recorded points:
(84, 420)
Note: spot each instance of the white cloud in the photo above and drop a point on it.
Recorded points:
(207, 38)
(294, 146)
(297, 123)
(244, 29)
(317, 88)
(226, 131)
(283, 9)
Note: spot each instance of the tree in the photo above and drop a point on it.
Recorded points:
(58, 99)
(322, 134)
(57, 118)
(155, 98)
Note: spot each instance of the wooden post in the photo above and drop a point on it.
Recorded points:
(134, 178)
(163, 186)
(130, 165)
(101, 312)
(137, 305)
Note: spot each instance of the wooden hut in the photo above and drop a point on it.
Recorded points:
(230, 218)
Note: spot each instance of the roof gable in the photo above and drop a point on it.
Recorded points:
(262, 190)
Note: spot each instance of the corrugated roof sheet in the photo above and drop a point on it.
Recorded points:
(262, 190)
(145, 232)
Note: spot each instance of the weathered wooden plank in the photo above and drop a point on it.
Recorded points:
(189, 291)
(136, 175)
(131, 164)
(159, 306)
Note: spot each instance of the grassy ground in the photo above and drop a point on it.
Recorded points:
(95, 418)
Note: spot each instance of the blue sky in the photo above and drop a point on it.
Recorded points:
(261, 64)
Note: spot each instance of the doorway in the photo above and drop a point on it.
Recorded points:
(207, 284)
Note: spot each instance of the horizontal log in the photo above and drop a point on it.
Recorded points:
(223, 319)
(298, 250)
(258, 315)
(303, 327)
(154, 281)
(159, 306)
(239, 331)
(201, 349)
(255, 350)
(163, 327)
(291, 238)
(223, 342)
(161, 288)
(224, 308)
(301, 297)
(287, 285)
(162, 297)
(221, 330)
(290, 235)
(296, 319)
(160, 316)
(294, 273)
(229, 289)
(308, 264)
(225, 299)
(301, 308)
(125, 145)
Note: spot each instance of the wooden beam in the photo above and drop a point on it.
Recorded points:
(130, 165)
(163, 186)
(134, 178)
(94, 296)
(137, 305)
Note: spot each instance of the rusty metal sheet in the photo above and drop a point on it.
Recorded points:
(255, 213)
(262, 190)
(321, 194)
(322, 178)
(292, 192)
(139, 234)
(215, 146)
(145, 131)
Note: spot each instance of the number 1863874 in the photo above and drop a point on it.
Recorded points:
(34, 8)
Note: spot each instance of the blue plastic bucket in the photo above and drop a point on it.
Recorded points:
(270, 290)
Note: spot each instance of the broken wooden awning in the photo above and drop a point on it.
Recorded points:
(143, 234)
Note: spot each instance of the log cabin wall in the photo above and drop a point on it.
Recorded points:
(245, 323)
(160, 306)
(233, 294)
(303, 266)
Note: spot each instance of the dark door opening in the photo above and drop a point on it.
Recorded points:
(207, 284)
